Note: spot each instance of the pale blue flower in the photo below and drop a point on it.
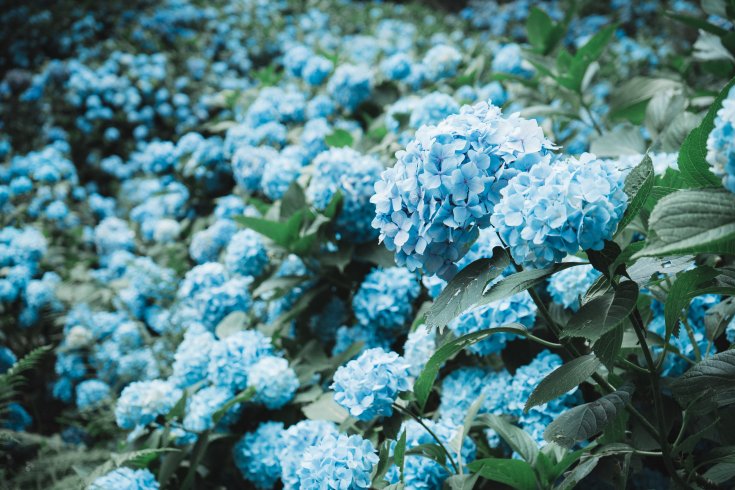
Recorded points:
(369, 385)
(126, 479)
(246, 254)
(555, 209)
(567, 286)
(296, 440)
(720, 147)
(257, 455)
(343, 462)
(274, 381)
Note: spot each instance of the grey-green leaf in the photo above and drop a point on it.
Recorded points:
(563, 379)
(466, 288)
(638, 185)
(521, 281)
(513, 472)
(518, 439)
(715, 375)
(603, 313)
(692, 221)
(585, 421)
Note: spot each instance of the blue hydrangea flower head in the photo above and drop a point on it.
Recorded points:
(113, 234)
(278, 176)
(350, 85)
(369, 385)
(126, 479)
(142, 401)
(203, 404)
(445, 185)
(518, 308)
(232, 358)
(567, 286)
(296, 439)
(207, 244)
(720, 147)
(441, 61)
(274, 381)
(191, 359)
(92, 393)
(509, 59)
(352, 174)
(257, 455)
(344, 462)
(419, 347)
(432, 109)
(462, 387)
(246, 254)
(555, 209)
(248, 165)
(216, 303)
(385, 299)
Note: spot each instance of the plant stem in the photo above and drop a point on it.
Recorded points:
(640, 329)
(421, 422)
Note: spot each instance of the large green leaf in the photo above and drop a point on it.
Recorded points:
(692, 221)
(693, 153)
(512, 472)
(466, 288)
(637, 92)
(608, 346)
(585, 421)
(713, 378)
(603, 313)
(563, 379)
(638, 185)
(338, 138)
(518, 439)
(425, 381)
(521, 281)
(681, 294)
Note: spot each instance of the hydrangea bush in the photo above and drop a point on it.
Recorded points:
(351, 245)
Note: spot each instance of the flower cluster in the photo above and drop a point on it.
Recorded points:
(557, 208)
(567, 286)
(445, 185)
(384, 299)
(338, 462)
(369, 385)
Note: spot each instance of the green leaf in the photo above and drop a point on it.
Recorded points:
(692, 221)
(698, 24)
(718, 318)
(431, 451)
(714, 376)
(293, 200)
(338, 139)
(518, 440)
(636, 93)
(543, 33)
(626, 140)
(585, 421)
(521, 281)
(638, 185)
(425, 381)
(325, 408)
(466, 288)
(461, 482)
(232, 323)
(399, 452)
(282, 233)
(512, 472)
(608, 346)
(681, 294)
(602, 260)
(578, 473)
(693, 153)
(563, 379)
(603, 313)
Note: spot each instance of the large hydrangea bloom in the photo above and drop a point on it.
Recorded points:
(126, 479)
(274, 380)
(721, 143)
(555, 209)
(141, 402)
(385, 299)
(256, 455)
(368, 385)
(343, 462)
(444, 186)
(231, 358)
(246, 254)
(352, 174)
(296, 439)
